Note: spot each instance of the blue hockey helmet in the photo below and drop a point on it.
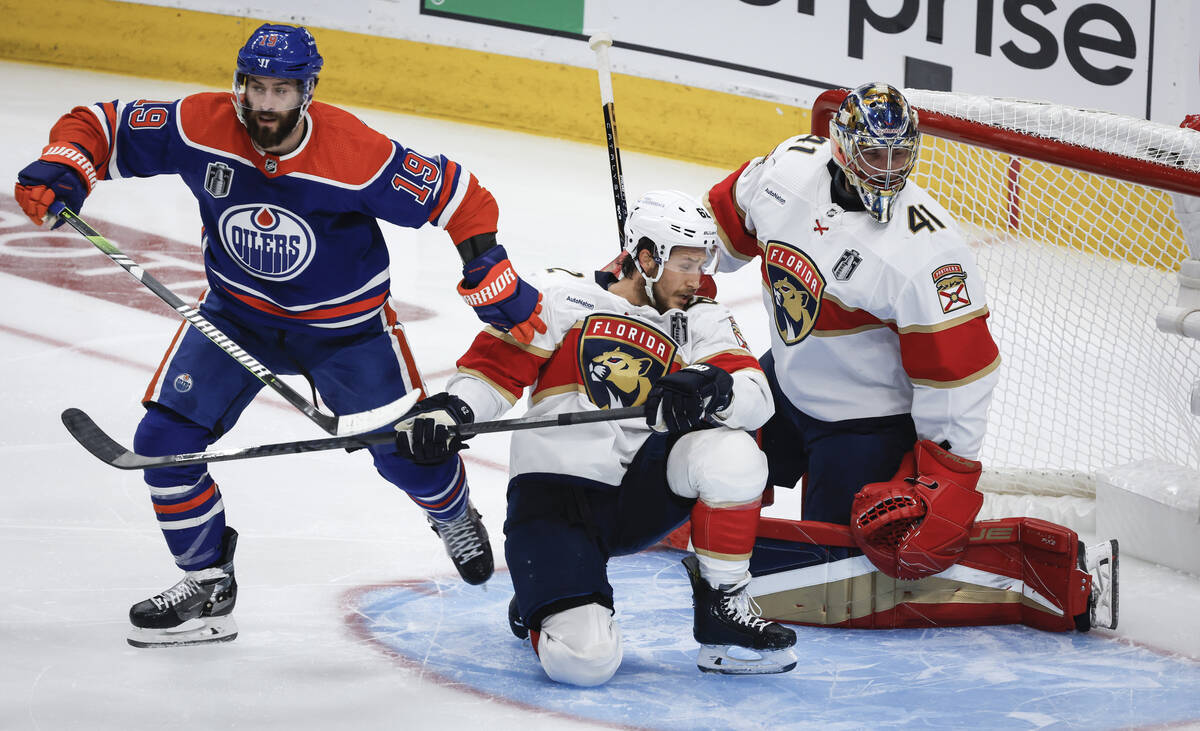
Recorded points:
(876, 144)
(279, 52)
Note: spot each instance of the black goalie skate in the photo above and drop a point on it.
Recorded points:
(194, 611)
(733, 639)
(467, 544)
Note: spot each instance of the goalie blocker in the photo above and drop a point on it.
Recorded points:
(1012, 571)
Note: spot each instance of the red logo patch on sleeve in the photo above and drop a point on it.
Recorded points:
(951, 283)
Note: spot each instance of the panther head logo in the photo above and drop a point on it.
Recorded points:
(793, 314)
(797, 287)
(623, 377)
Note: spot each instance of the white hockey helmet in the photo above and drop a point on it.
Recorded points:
(666, 219)
(876, 144)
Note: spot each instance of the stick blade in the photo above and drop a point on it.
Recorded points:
(92, 438)
(349, 425)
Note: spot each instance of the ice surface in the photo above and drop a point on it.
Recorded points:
(79, 544)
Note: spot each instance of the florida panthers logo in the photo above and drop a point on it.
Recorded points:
(951, 283)
(620, 359)
(796, 286)
(267, 241)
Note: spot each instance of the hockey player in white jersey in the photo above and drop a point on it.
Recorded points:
(581, 494)
(882, 368)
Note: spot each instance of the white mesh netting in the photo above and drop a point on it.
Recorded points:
(1076, 266)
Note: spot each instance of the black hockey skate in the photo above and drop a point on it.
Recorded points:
(467, 544)
(733, 639)
(1103, 561)
(194, 611)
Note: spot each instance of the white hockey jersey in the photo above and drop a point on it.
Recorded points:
(600, 351)
(870, 319)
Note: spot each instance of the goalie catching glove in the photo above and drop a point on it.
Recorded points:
(917, 524)
(688, 398)
(64, 173)
(428, 434)
(500, 297)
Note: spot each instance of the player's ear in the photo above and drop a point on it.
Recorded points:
(646, 259)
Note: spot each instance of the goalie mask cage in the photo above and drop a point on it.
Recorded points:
(1076, 236)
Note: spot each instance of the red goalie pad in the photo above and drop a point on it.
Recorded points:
(1013, 571)
(916, 524)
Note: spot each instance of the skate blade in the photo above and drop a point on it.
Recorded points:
(736, 660)
(191, 632)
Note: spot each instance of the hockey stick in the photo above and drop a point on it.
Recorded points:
(344, 425)
(600, 43)
(107, 450)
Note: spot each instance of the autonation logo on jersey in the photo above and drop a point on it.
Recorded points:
(267, 241)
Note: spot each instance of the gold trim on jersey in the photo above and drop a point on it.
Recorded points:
(962, 381)
(512, 400)
(531, 349)
(944, 325)
(537, 397)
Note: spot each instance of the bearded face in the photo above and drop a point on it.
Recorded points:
(270, 129)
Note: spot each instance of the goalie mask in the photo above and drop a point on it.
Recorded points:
(274, 53)
(662, 220)
(875, 144)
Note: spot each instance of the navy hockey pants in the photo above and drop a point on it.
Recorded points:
(838, 457)
(561, 530)
(199, 392)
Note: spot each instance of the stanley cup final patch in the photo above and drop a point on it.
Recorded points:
(846, 264)
(217, 179)
(951, 283)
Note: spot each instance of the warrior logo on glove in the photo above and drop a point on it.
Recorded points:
(621, 359)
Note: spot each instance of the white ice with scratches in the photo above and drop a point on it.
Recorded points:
(78, 541)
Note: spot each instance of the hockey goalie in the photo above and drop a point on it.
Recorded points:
(881, 369)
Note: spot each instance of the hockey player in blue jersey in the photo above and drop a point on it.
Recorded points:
(289, 191)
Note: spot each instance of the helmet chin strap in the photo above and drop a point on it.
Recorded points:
(647, 282)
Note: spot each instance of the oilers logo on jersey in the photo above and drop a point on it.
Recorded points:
(267, 241)
(796, 286)
(620, 359)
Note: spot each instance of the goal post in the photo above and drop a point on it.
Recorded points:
(1070, 214)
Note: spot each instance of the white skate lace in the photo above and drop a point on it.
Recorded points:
(461, 538)
(176, 594)
(743, 609)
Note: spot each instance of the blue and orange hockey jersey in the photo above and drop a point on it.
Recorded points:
(291, 241)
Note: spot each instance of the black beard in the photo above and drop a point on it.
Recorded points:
(268, 139)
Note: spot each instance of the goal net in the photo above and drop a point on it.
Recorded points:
(1068, 213)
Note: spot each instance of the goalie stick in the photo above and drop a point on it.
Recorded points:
(344, 425)
(107, 450)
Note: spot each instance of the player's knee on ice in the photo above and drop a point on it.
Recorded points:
(717, 466)
(580, 646)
